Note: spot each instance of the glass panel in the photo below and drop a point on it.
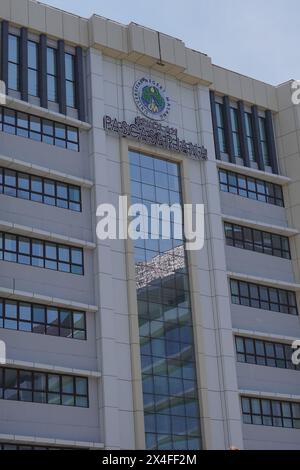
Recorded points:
(13, 48)
(39, 314)
(51, 88)
(69, 64)
(25, 312)
(70, 94)
(168, 355)
(53, 383)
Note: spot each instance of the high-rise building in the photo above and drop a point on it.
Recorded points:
(134, 344)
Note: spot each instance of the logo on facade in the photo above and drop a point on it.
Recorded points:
(151, 99)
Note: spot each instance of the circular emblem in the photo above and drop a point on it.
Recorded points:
(151, 99)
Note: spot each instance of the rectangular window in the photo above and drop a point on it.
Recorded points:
(32, 50)
(257, 240)
(264, 141)
(39, 129)
(235, 132)
(70, 80)
(24, 250)
(251, 188)
(33, 318)
(221, 127)
(249, 136)
(171, 408)
(52, 74)
(38, 189)
(41, 387)
(266, 353)
(13, 62)
(262, 411)
(263, 297)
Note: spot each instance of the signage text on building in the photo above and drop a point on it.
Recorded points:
(154, 133)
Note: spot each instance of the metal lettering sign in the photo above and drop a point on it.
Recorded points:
(154, 133)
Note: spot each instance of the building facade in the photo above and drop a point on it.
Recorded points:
(122, 344)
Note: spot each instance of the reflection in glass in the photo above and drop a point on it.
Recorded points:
(165, 319)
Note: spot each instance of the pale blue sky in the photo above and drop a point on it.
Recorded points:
(259, 38)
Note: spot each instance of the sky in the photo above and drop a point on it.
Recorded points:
(258, 38)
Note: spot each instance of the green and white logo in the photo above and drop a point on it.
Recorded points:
(151, 99)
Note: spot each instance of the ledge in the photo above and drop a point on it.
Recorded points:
(264, 281)
(45, 441)
(272, 395)
(50, 368)
(263, 335)
(44, 235)
(287, 231)
(245, 170)
(30, 108)
(15, 164)
(45, 300)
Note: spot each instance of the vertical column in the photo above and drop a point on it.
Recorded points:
(220, 402)
(228, 129)
(256, 139)
(79, 84)
(24, 64)
(271, 141)
(214, 123)
(112, 323)
(43, 91)
(61, 77)
(4, 52)
(243, 136)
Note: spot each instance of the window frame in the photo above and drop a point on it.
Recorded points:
(263, 138)
(266, 359)
(16, 190)
(16, 63)
(279, 418)
(39, 129)
(45, 390)
(53, 76)
(250, 136)
(257, 240)
(256, 189)
(235, 128)
(220, 121)
(263, 300)
(70, 81)
(40, 260)
(37, 325)
(32, 69)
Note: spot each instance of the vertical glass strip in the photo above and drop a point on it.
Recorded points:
(171, 408)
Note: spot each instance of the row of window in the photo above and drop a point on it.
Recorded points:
(256, 240)
(33, 70)
(264, 353)
(41, 319)
(251, 188)
(41, 387)
(263, 297)
(259, 411)
(44, 190)
(8, 446)
(42, 254)
(236, 134)
(39, 129)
